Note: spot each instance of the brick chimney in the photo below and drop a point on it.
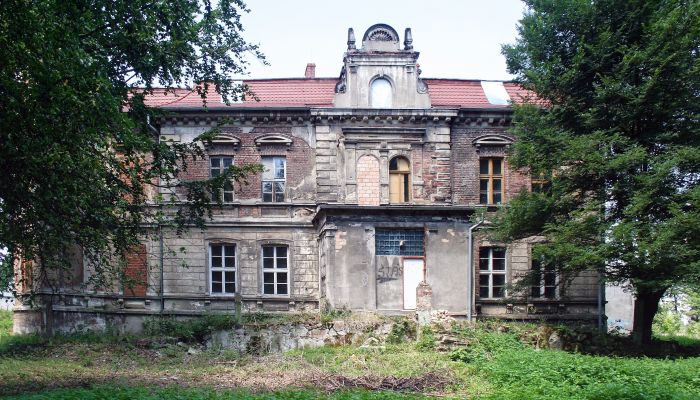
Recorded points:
(310, 70)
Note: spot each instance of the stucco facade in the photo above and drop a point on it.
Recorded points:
(372, 184)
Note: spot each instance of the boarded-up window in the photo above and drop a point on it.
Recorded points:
(368, 193)
(399, 180)
(135, 273)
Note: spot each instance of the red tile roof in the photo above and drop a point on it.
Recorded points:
(319, 92)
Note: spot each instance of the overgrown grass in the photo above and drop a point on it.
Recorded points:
(499, 362)
(520, 372)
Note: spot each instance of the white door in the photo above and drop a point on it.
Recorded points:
(412, 276)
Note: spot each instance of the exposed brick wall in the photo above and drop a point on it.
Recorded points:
(465, 164)
(299, 155)
(136, 271)
(436, 173)
(368, 191)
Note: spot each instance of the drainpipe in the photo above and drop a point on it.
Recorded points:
(160, 236)
(470, 268)
(601, 302)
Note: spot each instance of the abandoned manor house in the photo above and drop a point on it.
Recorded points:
(372, 196)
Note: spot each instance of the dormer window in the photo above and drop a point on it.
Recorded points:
(381, 93)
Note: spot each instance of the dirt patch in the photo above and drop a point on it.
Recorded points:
(423, 383)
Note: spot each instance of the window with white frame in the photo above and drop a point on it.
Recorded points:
(492, 272)
(217, 166)
(544, 280)
(274, 178)
(275, 270)
(222, 268)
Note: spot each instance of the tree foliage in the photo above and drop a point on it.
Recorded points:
(77, 152)
(616, 131)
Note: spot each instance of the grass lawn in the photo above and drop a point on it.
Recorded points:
(493, 366)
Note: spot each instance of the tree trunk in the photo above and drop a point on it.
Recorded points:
(646, 304)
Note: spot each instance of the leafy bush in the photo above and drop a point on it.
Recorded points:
(426, 341)
(401, 330)
(188, 330)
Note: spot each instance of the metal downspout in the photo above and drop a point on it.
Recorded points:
(162, 291)
(470, 269)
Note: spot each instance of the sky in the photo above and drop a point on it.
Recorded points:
(456, 39)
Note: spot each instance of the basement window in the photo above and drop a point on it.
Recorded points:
(399, 242)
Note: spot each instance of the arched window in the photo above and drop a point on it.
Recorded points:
(399, 180)
(380, 94)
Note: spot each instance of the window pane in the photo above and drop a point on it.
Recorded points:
(214, 162)
(499, 252)
(268, 251)
(228, 197)
(497, 198)
(549, 292)
(228, 161)
(230, 287)
(499, 264)
(268, 263)
(484, 291)
(269, 288)
(279, 168)
(496, 185)
(483, 280)
(282, 277)
(484, 264)
(484, 166)
(550, 279)
(483, 198)
(230, 262)
(380, 93)
(499, 279)
(497, 166)
(484, 185)
(281, 289)
(394, 164)
(484, 252)
(230, 276)
(279, 197)
(216, 287)
(230, 250)
(216, 250)
(282, 263)
(216, 276)
(269, 277)
(216, 262)
(279, 187)
(267, 197)
(267, 187)
(406, 186)
(499, 291)
(281, 251)
(535, 292)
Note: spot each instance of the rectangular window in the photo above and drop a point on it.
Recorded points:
(217, 165)
(275, 270)
(544, 279)
(274, 179)
(222, 267)
(540, 184)
(492, 272)
(399, 242)
(490, 180)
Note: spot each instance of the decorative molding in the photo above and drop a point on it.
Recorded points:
(381, 33)
(273, 140)
(226, 139)
(492, 140)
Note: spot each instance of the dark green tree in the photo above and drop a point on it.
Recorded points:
(77, 152)
(616, 130)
